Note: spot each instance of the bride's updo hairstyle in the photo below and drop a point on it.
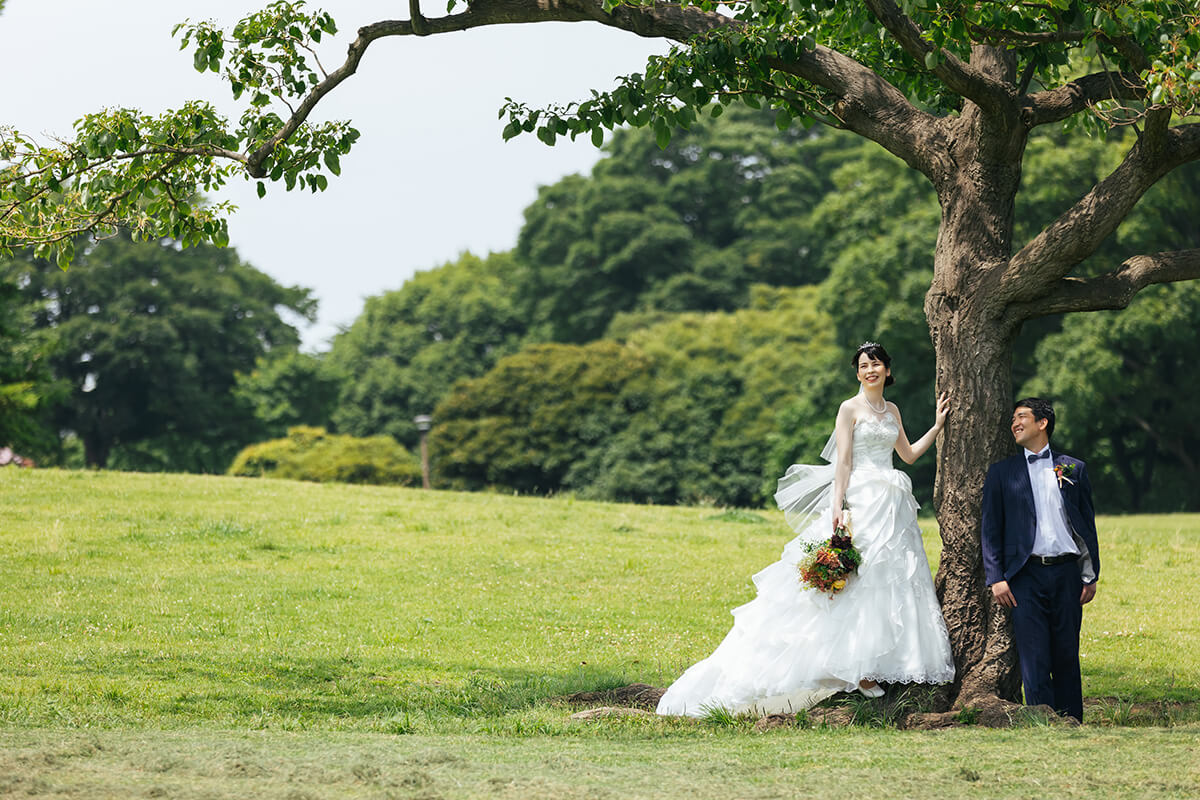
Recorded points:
(874, 350)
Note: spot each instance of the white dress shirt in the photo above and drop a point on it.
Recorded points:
(1053, 536)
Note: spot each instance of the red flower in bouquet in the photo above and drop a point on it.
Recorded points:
(829, 563)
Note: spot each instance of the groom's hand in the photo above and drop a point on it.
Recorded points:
(1004, 595)
(1089, 591)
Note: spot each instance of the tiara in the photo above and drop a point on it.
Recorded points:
(867, 344)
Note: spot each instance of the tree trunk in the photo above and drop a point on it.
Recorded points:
(973, 337)
(975, 366)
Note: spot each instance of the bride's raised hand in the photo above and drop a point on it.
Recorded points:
(837, 520)
(942, 411)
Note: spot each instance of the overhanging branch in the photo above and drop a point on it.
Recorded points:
(1048, 257)
(666, 21)
(1055, 105)
(868, 104)
(1115, 289)
(874, 108)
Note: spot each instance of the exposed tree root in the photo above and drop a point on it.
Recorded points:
(985, 711)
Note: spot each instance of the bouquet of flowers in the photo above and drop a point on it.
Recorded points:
(828, 563)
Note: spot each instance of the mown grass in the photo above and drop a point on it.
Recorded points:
(1114, 763)
(204, 606)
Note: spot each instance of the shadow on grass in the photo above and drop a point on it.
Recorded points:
(202, 687)
(147, 687)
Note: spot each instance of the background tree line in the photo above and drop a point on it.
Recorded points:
(674, 327)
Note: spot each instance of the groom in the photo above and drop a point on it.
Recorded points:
(1040, 556)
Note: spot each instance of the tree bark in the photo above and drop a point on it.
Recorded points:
(975, 365)
(972, 335)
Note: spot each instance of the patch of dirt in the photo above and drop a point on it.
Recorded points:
(635, 695)
(830, 717)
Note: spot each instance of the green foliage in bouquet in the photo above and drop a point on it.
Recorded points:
(829, 563)
(312, 454)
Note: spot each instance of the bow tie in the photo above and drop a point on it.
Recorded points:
(1034, 459)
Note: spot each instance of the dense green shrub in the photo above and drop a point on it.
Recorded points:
(409, 346)
(681, 409)
(529, 419)
(312, 454)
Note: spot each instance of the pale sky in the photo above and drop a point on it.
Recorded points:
(430, 176)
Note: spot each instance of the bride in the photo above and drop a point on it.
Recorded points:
(792, 646)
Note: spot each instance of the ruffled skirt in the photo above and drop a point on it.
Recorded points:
(792, 646)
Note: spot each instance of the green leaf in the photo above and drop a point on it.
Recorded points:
(262, 189)
(931, 59)
(332, 161)
(200, 60)
(65, 254)
(662, 133)
(783, 119)
(597, 136)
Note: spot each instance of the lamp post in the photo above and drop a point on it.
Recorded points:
(424, 422)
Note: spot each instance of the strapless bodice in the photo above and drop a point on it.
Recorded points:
(874, 441)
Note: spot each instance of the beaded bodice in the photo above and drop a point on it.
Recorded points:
(874, 440)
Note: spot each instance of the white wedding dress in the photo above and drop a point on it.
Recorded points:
(792, 646)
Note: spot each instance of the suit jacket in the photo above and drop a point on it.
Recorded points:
(1009, 519)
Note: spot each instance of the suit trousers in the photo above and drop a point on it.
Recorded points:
(1046, 625)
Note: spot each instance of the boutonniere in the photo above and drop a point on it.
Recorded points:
(1062, 472)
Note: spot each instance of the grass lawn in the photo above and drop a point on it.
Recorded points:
(235, 637)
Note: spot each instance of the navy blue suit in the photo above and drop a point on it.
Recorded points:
(1047, 617)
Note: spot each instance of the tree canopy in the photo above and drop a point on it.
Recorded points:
(687, 227)
(674, 408)
(150, 339)
(409, 346)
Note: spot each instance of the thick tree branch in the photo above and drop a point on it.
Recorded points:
(417, 18)
(1055, 105)
(867, 104)
(1002, 36)
(1045, 260)
(960, 77)
(1115, 289)
(1131, 51)
(663, 21)
(872, 107)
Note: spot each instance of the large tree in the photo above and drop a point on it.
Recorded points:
(686, 227)
(409, 346)
(150, 340)
(954, 89)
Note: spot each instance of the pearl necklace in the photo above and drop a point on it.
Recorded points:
(873, 408)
